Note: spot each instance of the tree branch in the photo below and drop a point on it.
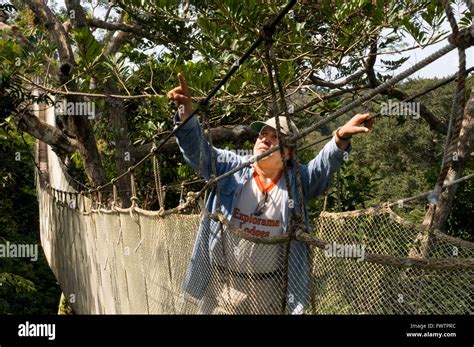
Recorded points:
(434, 123)
(55, 28)
(237, 135)
(79, 126)
(370, 63)
(336, 84)
(97, 23)
(128, 28)
(368, 68)
(117, 41)
(47, 133)
(89, 95)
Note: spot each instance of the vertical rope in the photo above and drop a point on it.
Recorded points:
(294, 157)
(70, 200)
(114, 193)
(452, 138)
(83, 201)
(133, 198)
(325, 201)
(97, 204)
(99, 197)
(158, 187)
(163, 193)
(294, 218)
(450, 17)
(268, 63)
(181, 195)
(449, 132)
(295, 163)
(460, 101)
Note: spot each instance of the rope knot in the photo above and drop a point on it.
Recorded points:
(433, 196)
(153, 147)
(463, 39)
(134, 201)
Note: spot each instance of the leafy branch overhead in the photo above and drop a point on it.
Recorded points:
(327, 52)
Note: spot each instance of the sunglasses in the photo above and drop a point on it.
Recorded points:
(261, 205)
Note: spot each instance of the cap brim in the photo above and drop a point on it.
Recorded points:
(257, 126)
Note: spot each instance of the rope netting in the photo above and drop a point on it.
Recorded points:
(114, 260)
(130, 260)
(388, 280)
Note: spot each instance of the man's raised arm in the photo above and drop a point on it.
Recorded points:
(189, 137)
(319, 171)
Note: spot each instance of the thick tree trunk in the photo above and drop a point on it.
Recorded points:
(436, 215)
(117, 115)
(123, 154)
(78, 126)
(457, 164)
(81, 127)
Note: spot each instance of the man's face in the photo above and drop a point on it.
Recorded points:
(265, 141)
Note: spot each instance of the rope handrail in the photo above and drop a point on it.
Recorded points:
(429, 263)
(422, 195)
(463, 263)
(382, 87)
(410, 98)
(195, 196)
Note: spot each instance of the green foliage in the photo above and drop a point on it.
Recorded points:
(26, 287)
(203, 39)
(402, 158)
(460, 221)
(88, 51)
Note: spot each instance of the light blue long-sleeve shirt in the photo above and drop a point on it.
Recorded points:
(315, 179)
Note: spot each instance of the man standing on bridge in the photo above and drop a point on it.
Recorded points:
(232, 275)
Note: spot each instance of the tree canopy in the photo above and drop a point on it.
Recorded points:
(123, 56)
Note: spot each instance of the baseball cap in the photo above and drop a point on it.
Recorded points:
(284, 127)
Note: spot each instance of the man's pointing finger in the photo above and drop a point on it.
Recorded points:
(182, 84)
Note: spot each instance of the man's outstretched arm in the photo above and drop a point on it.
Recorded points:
(319, 171)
